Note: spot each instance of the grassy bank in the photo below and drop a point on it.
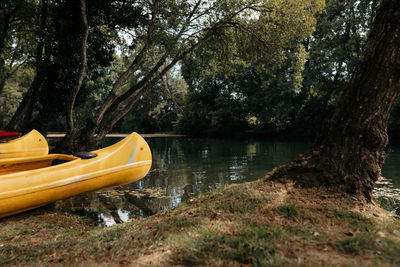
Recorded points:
(252, 224)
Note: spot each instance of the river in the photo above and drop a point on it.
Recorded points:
(184, 167)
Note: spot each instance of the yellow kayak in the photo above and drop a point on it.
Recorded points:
(31, 144)
(31, 182)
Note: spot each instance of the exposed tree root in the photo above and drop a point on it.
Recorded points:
(312, 171)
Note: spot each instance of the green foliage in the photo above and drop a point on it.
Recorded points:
(156, 111)
(288, 84)
(254, 74)
(19, 21)
(213, 111)
(14, 89)
(334, 50)
(255, 66)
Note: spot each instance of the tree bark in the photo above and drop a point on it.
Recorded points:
(349, 150)
(75, 90)
(72, 130)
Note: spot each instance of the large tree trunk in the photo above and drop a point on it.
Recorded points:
(67, 144)
(349, 150)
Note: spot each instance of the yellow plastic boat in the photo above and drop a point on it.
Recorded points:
(28, 183)
(31, 144)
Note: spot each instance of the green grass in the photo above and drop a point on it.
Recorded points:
(367, 243)
(356, 245)
(356, 221)
(288, 211)
(251, 245)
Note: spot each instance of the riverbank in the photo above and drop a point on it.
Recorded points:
(256, 223)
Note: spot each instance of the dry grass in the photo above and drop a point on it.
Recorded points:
(259, 223)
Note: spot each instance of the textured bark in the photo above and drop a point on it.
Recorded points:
(72, 129)
(349, 150)
(82, 69)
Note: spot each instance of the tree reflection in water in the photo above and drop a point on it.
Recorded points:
(184, 167)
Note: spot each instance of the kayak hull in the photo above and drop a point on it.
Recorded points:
(31, 144)
(125, 162)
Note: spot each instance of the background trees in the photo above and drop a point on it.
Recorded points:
(256, 67)
(151, 37)
(350, 147)
(18, 30)
(283, 96)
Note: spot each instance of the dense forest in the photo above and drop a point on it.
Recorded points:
(267, 68)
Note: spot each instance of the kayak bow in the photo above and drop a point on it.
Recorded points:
(28, 183)
(31, 144)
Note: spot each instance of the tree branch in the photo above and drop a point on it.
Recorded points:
(164, 81)
(129, 72)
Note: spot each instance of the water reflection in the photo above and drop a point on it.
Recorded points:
(184, 167)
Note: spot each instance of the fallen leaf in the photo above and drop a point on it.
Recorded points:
(350, 233)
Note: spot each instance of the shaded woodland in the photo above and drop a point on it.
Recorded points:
(266, 68)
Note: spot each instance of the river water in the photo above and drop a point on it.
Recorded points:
(184, 167)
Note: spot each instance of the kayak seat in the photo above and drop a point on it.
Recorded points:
(58, 161)
(85, 155)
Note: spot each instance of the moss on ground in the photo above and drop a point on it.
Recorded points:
(260, 224)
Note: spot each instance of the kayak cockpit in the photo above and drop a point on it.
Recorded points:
(32, 163)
